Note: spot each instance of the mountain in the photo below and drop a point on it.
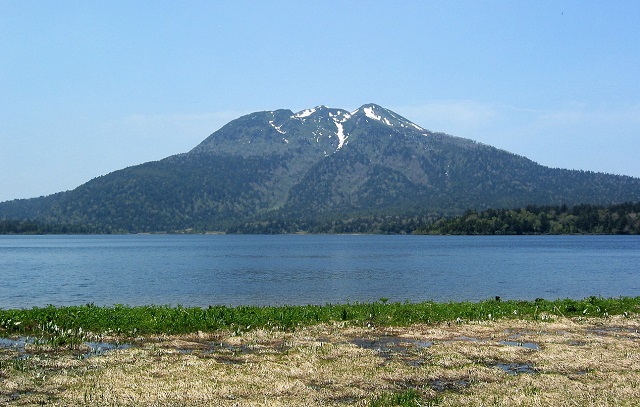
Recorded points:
(317, 165)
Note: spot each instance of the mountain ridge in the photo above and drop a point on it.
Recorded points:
(317, 164)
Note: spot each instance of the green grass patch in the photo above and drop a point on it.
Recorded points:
(74, 321)
(407, 398)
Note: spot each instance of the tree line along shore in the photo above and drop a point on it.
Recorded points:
(619, 219)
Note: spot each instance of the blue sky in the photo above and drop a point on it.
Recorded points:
(91, 87)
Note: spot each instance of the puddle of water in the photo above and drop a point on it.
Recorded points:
(444, 385)
(528, 345)
(100, 348)
(95, 348)
(423, 344)
(415, 362)
(16, 344)
(390, 344)
(515, 368)
(612, 330)
(16, 395)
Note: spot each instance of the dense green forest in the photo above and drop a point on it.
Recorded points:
(532, 220)
(27, 227)
(542, 220)
(364, 224)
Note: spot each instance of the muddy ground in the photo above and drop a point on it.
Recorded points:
(585, 362)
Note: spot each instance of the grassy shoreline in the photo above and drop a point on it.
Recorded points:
(502, 353)
(150, 320)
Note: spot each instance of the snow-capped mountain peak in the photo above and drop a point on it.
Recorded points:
(329, 123)
(322, 129)
(321, 113)
(370, 111)
(386, 116)
(305, 113)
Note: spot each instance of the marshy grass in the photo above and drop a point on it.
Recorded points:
(501, 353)
(67, 322)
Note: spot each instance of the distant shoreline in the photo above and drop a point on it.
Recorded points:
(619, 219)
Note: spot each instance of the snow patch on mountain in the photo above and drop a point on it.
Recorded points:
(304, 113)
(368, 111)
(341, 136)
(338, 117)
(277, 128)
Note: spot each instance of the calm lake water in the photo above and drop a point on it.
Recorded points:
(202, 270)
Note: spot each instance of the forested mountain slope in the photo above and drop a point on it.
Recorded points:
(317, 165)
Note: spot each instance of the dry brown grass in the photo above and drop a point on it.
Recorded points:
(498, 363)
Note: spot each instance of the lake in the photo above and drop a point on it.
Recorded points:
(202, 270)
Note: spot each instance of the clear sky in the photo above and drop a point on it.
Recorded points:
(90, 87)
